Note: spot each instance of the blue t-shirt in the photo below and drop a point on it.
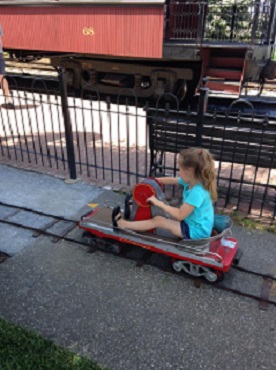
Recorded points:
(201, 220)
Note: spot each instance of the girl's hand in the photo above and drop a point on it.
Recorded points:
(153, 201)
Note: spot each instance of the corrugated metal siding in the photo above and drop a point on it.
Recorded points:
(123, 31)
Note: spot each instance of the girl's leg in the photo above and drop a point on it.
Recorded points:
(158, 221)
(5, 87)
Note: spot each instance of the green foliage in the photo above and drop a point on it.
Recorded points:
(230, 20)
(24, 350)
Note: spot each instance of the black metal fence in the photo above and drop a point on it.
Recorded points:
(217, 20)
(119, 141)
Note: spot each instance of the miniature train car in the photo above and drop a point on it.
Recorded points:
(209, 258)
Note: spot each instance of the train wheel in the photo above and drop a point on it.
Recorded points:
(211, 276)
(214, 276)
(176, 266)
(237, 257)
(106, 245)
(112, 247)
(89, 239)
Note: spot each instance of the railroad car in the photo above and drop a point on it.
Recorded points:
(209, 258)
(152, 47)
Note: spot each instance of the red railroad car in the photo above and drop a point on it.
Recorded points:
(151, 47)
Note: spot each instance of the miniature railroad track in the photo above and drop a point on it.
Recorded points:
(142, 258)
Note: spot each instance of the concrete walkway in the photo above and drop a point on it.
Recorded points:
(124, 317)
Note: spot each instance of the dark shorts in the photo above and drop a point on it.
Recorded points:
(2, 66)
(185, 230)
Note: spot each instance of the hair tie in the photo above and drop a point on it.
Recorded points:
(199, 151)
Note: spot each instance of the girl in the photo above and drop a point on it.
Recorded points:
(195, 218)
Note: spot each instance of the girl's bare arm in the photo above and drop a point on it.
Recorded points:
(168, 180)
(178, 213)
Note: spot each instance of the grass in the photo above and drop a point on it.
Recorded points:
(25, 350)
(251, 223)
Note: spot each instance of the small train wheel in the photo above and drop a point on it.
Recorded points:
(89, 238)
(211, 276)
(237, 257)
(176, 266)
(112, 247)
(214, 276)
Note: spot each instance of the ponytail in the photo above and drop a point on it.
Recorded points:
(203, 163)
(208, 175)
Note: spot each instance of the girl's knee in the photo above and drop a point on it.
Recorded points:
(158, 220)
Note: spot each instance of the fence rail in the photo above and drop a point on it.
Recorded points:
(120, 141)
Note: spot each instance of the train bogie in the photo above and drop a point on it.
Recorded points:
(105, 244)
(197, 271)
(110, 77)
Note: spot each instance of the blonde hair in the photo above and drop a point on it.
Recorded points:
(201, 160)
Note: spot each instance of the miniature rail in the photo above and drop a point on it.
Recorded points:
(145, 257)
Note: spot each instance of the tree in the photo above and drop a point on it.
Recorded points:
(230, 20)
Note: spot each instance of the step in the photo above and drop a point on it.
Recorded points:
(224, 86)
(226, 73)
(228, 52)
(226, 62)
(221, 80)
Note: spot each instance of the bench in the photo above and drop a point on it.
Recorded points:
(241, 140)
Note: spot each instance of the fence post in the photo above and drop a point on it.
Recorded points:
(67, 125)
(202, 107)
(201, 22)
(255, 23)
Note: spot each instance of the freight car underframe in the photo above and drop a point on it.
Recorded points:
(146, 78)
(176, 74)
(180, 71)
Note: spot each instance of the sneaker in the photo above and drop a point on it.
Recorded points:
(116, 216)
(8, 106)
